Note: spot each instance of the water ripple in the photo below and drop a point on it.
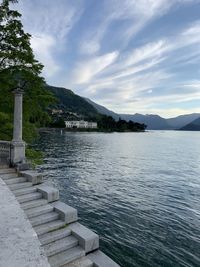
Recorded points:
(140, 192)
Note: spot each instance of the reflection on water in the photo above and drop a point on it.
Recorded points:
(139, 191)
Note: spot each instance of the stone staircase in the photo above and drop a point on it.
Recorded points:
(66, 242)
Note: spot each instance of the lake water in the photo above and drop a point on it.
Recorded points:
(139, 191)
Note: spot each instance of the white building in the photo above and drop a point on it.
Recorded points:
(81, 124)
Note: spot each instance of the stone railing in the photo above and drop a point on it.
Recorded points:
(5, 153)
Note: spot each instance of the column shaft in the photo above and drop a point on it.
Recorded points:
(17, 129)
(18, 146)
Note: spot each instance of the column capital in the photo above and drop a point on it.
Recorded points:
(18, 91)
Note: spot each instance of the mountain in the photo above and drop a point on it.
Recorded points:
(103, 110)
(156, 122)
(69, 101)
(180, 121)
(153, 122)
(193, 126)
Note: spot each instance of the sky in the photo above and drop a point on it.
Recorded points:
(132, 56)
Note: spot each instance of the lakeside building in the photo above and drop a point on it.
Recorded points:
(81, 124)
(56, 111)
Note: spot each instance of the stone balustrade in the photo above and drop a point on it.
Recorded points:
(5, 153)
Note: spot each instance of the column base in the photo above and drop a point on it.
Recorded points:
(17, 152)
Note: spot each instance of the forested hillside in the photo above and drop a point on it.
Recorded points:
(68, 100)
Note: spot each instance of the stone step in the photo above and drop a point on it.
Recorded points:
(54, 236)
(29, 197)
(33, 203)
(82, 262)
(6, 171)
(32, 176)
(20, 186)
(24, 191)
(100, 259)
(4, 165)
(44, 218)
(15, 180)
(48, 227)
(66, 256)
(60, 245)
(88, 240)
(8, 176)
(38, 210)
(67, 213)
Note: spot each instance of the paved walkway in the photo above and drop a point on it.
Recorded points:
(19, 245)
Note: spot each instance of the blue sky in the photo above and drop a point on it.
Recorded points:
(128, 55)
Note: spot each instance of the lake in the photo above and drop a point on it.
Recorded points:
(139, 191)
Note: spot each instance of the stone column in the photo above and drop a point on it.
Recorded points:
(18, 146)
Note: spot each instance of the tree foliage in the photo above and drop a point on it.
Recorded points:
(107, 123)
(15, 51)
(18, 64)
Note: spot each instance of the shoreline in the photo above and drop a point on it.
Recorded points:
(49, 129)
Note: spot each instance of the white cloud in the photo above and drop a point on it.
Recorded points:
(86, 70)
(49, 18)
(42, 47)
(142, 12)
(194, 29)
(191, 35)
(89, 47)
(195, 84)
(149, 105)
(137, 15)
(148, 51)
(147, 57)
(124, 72)
(139, 70)
(140, 59)
(91, 42)
(49, 23)
(125, 95)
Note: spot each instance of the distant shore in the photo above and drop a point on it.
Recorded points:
(48, 129)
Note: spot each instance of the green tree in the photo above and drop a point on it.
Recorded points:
(17, 63)
(106, 123)
(16, 55)
(121, 125)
